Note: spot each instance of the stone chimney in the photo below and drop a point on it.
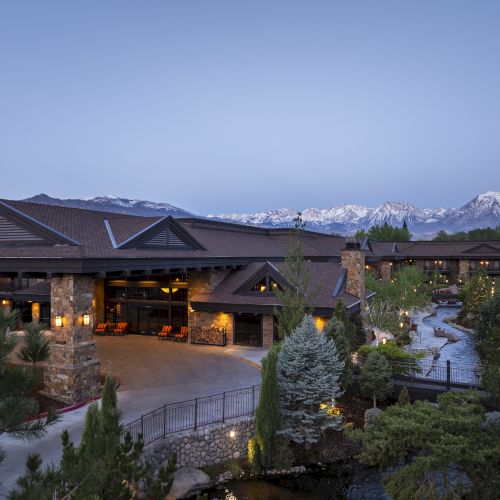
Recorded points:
(353, 259)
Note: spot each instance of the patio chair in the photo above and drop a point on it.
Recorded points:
(121, 328)
(182, 336)
(165, 333)
(101, 328)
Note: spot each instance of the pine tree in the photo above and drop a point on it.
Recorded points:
(309, 372)
(37, 347)
(267, 412)
(336, 331)
(376, 378)
(16, 383)
(295, 299)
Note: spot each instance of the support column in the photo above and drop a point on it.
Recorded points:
(99, 301)
(385, 270)
(35, 312)
(267, 330)
(72, 374)
(463, 270)
(353, 260)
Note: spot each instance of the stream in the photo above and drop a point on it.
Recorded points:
(461, 352)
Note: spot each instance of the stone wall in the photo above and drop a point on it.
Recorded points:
(267, 330)
(354, 261)
(216, 320)
(72, 374)
(210, 445)
(207, 282)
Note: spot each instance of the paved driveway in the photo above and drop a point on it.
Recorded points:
(151, 373)
(154, 372)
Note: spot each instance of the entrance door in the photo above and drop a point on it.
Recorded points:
(248, 329)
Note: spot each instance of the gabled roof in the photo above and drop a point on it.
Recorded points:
(164, 233)
(265, 269)
(483, 248)
(326, 278)
(19, 229)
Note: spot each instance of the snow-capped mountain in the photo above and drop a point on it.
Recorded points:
(482, 211)
(110, 203)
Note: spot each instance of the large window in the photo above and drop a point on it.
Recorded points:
(147, 306)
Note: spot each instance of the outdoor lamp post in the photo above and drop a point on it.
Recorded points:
(58, 321)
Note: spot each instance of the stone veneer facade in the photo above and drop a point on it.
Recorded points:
(463, 269)
(72, 374)
(212, 444)
(354, 261)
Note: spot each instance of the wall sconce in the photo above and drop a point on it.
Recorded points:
(401, 325)
(58, 321)
(384, 340)
(4, 302)
(232, 434)
(86, 319)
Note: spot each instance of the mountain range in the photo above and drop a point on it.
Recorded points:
(481, 211)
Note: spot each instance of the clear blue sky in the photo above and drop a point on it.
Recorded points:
(250, 105)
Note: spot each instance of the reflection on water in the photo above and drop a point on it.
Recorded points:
(335, 483)
(463, 351)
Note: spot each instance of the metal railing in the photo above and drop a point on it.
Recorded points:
(193, 413)
(434, 372)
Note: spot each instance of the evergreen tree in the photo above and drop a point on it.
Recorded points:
(102, 466)
(434, 451)
(295, 299)
(37, 347)
(309, 372)
(336, 331)
(376, 378)
(387, 232)
(16, 385)
(267, 412)
(404, 396)
(476, 292)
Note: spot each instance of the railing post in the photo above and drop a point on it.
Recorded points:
(164, 420)
(195, 413)
(223, 406)
(253, 399)
(448, 374)
(142, 427)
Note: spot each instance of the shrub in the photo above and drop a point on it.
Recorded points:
(404, 397)
(234, 468)
(254, 456)
(283, 454)
(371, 414)
(491, 420)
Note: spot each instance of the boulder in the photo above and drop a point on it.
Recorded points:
(188, 481)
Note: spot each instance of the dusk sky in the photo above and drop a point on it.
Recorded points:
(219, 106)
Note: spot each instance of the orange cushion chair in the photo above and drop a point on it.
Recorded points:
(121, 328)
(183, 334)
(165, 332)
(101, 328)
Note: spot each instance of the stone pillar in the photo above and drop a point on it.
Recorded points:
(99, 301)
(353, 259)
(267, 330)
(72, 374)
(206, 282)
(463, 270)
(35, 312)
(385, 270)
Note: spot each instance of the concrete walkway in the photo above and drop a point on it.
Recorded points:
(151, 373)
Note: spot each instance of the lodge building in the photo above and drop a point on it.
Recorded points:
(75, 269)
